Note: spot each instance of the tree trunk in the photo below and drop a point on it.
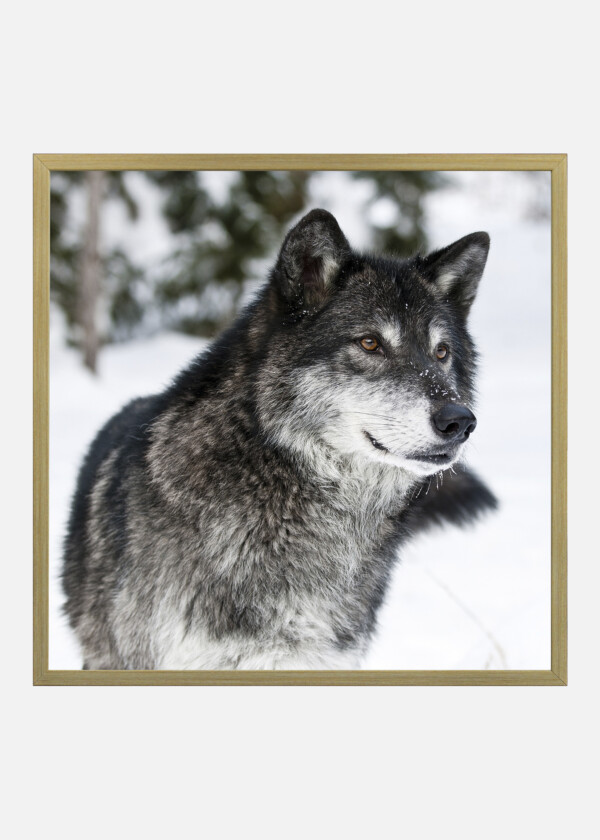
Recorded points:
(90, 280)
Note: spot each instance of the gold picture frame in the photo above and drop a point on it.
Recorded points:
(43, 165)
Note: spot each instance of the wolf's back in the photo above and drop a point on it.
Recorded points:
(123, 440)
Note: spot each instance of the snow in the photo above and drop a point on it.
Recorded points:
(459, 598)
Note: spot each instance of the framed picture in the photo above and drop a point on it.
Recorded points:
(351, 468)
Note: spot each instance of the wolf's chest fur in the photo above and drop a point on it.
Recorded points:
(302, 594)
(284, 566)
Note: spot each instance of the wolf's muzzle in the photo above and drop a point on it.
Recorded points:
(454, 422)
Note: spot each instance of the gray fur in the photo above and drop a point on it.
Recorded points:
(249, 516)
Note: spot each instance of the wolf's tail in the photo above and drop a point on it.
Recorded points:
(459, 497)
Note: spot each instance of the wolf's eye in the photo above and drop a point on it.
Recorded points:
(369, 343)
(441, 351)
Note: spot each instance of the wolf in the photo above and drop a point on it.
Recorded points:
(249, 516)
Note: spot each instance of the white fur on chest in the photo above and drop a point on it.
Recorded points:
(316, 648)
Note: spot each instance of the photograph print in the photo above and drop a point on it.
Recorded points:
(300, 420)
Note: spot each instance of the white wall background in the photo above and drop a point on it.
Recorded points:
(296, 762)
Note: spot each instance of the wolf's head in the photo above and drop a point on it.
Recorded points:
(370, 356)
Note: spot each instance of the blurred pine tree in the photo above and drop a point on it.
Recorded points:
(404, 234)
(85, 276)
(65, 245)
(220, 239)
(224, 227)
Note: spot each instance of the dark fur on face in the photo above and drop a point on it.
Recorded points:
(249, 516)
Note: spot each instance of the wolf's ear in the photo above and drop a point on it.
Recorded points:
(310, 258)
(456, 270)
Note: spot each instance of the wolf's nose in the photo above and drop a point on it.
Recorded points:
(454, 422)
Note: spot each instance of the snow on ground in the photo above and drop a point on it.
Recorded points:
(472, 598)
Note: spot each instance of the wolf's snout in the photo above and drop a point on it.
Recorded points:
(454, 422)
